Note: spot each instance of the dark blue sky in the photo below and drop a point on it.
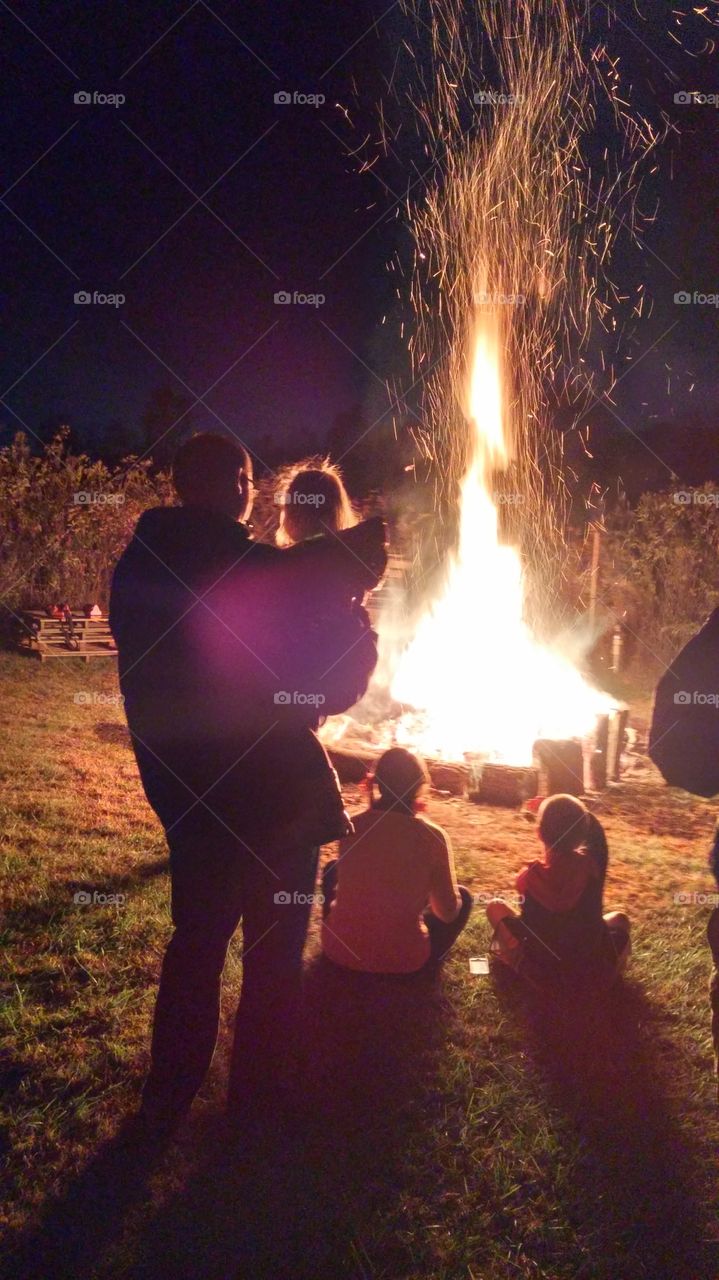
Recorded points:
(200, 197)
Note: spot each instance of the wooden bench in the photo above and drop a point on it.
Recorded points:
(47, 637)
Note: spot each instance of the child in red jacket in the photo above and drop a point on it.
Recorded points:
(561, 936)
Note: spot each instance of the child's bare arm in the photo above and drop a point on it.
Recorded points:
(444, 896)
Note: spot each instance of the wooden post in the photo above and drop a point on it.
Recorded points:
(598, 758)
(617, 729)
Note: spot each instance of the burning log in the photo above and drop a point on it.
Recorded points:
(504, 784)
(351, 766)
(560, 766)
(449, 777)
(572, 765)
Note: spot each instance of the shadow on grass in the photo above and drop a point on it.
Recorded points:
(287, 1200)
(38, 915)
(638, 1203)
(117, 735)
(113, 883)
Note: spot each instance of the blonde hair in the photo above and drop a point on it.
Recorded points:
(312, 500)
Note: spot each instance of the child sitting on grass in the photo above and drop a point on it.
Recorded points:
(561, 936)
(392, 904)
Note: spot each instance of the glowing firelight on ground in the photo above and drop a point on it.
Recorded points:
(473, 675)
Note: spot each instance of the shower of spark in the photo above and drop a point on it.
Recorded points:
(514, 221)
(510, 244)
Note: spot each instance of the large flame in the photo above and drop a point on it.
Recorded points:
(476, 679)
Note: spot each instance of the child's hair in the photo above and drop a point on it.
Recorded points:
(312, 500)
(400, 776)
(562, 823)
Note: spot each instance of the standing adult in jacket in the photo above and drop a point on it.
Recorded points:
(212, 678)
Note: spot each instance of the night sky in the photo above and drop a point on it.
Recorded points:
(200, 197)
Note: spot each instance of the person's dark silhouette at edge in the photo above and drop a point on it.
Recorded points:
(220, 695)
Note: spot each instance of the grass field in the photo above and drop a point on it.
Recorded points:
(465, 1132)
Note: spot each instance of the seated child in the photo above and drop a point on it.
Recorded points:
(561, 935)
(392, 904)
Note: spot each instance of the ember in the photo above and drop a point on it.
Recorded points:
(503, 292)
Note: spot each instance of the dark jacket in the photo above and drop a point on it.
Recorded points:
(684, 732)
(210, 664)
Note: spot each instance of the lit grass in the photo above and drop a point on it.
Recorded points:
(463, 1136)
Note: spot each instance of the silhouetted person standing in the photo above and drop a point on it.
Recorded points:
(209, 666)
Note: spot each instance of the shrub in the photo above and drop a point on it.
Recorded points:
(662, 569)
(66, 520)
